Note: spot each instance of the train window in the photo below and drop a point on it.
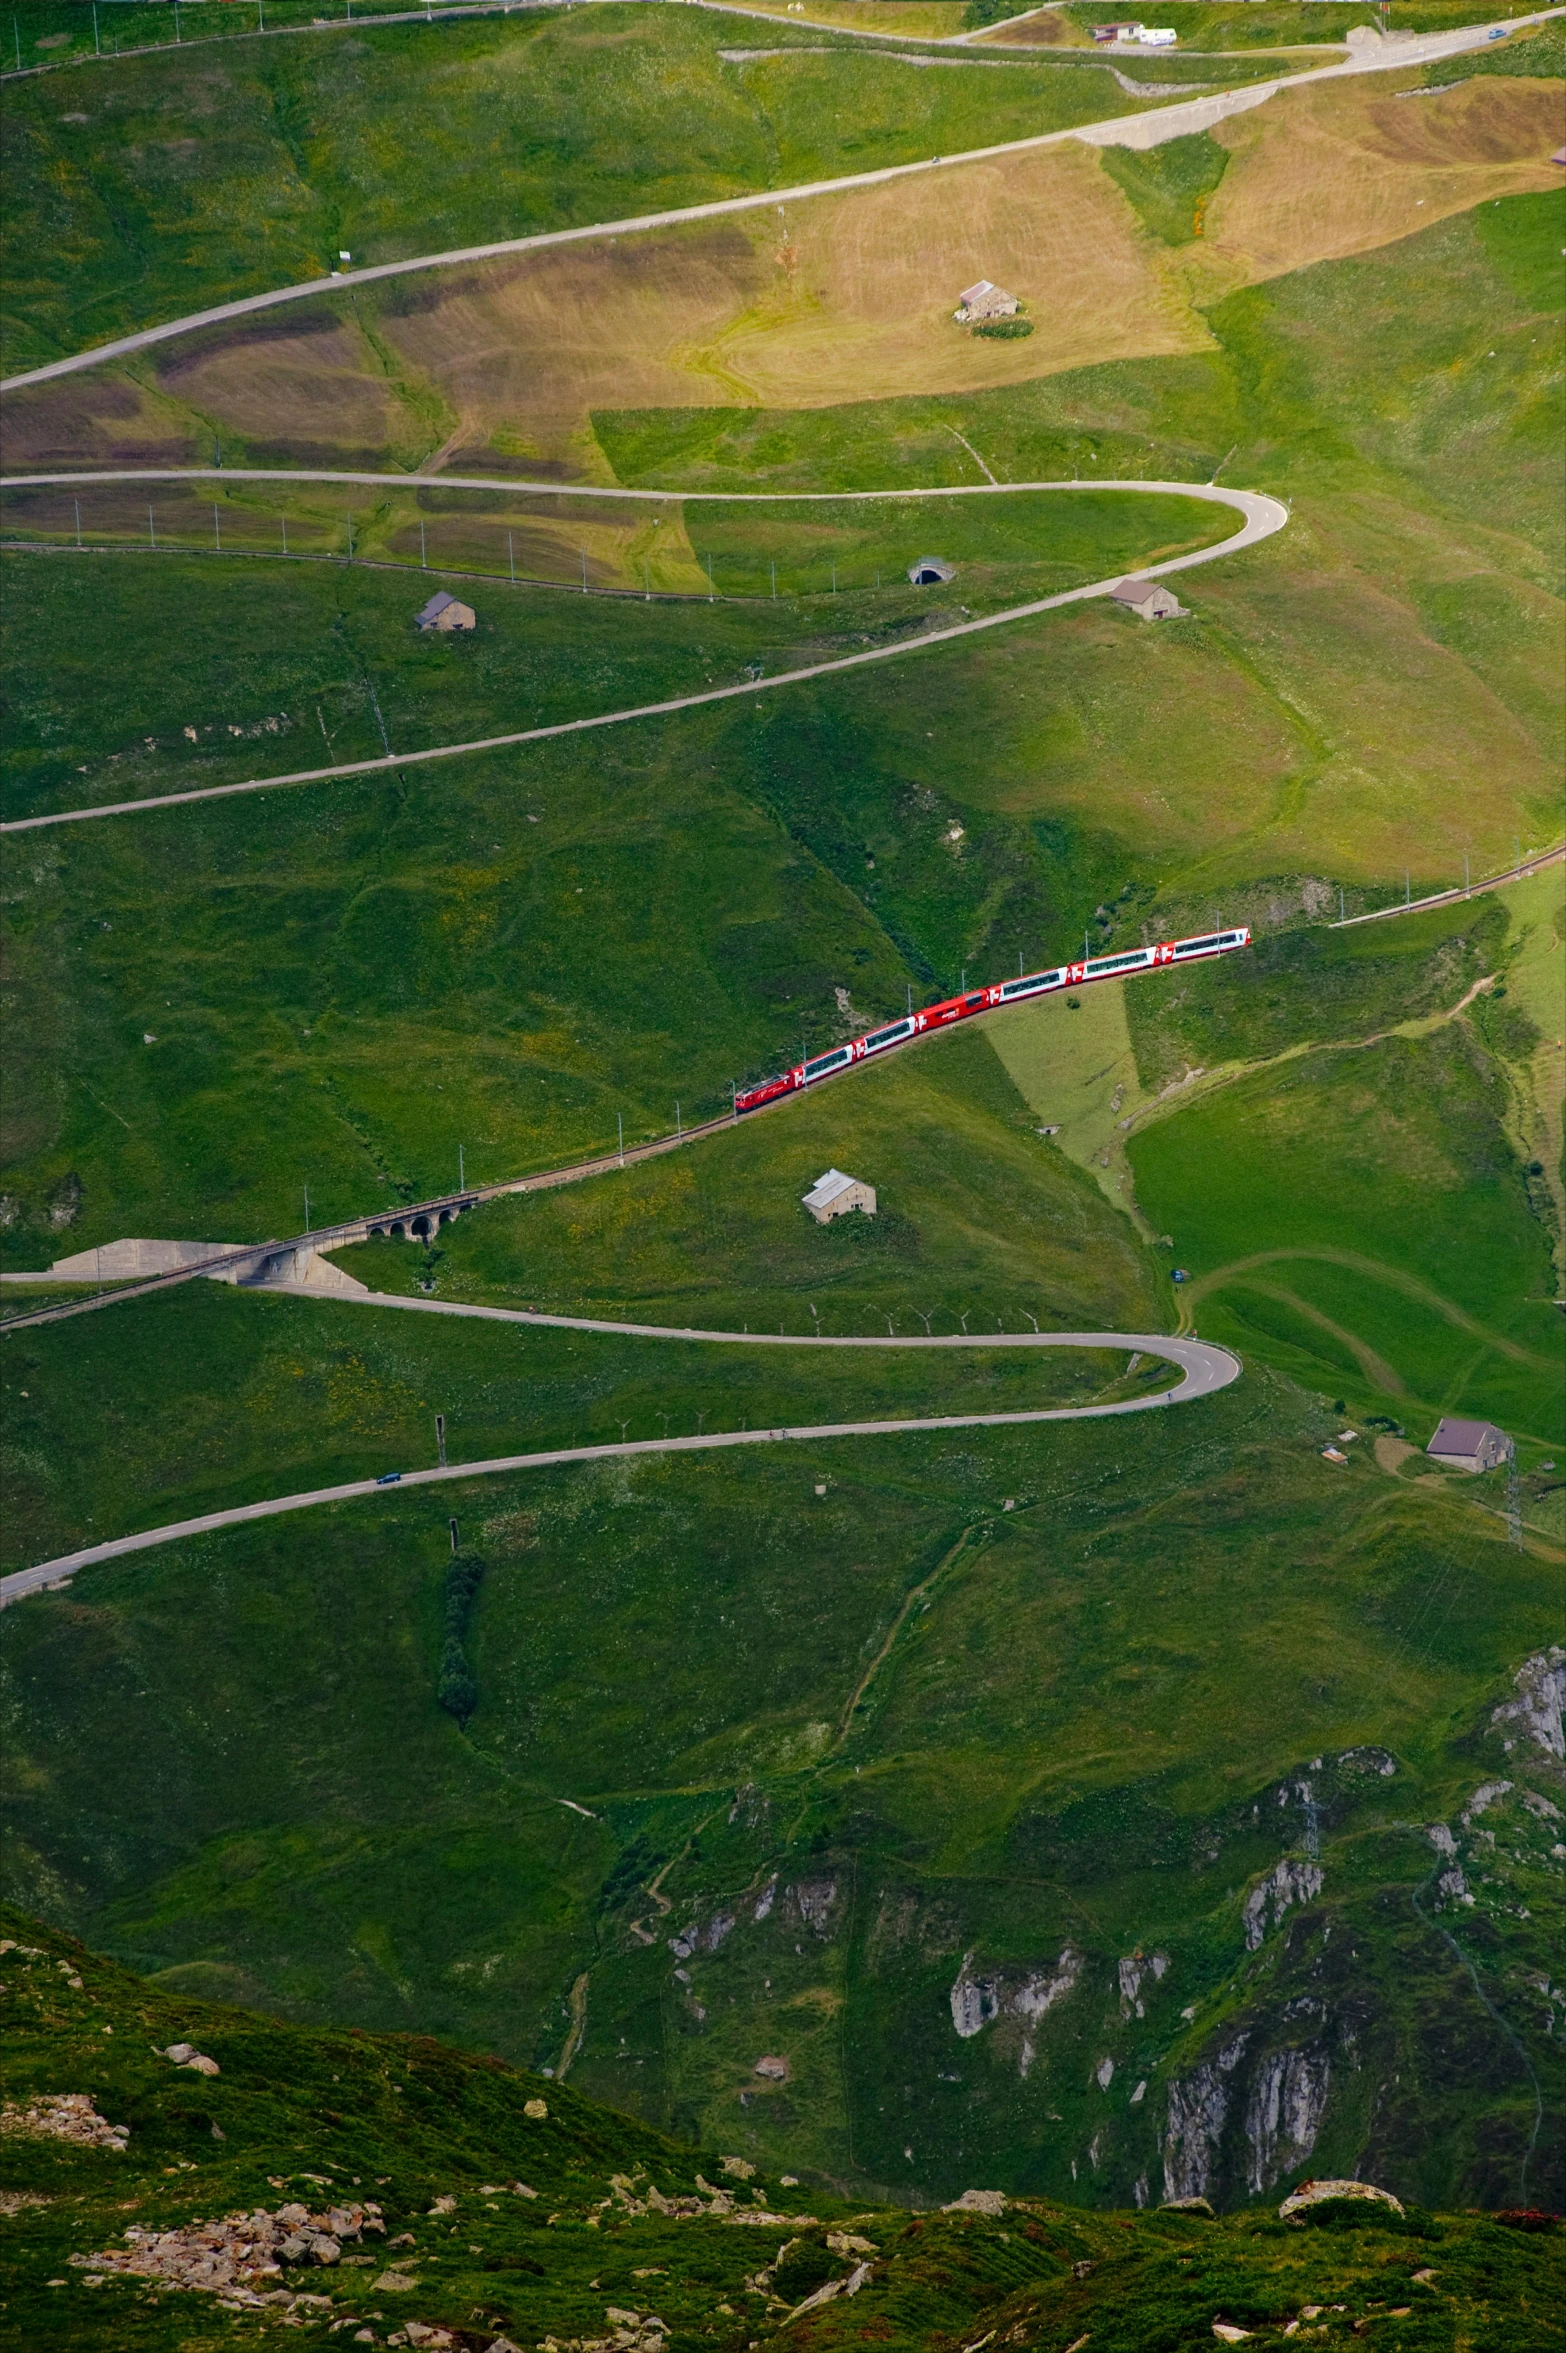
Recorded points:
(1118, 963)
(827, 1062)
(888, 1037)
(1194, 947)
(972, 1004)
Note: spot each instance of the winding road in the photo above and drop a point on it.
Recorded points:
(1207, 1369)
(1262, 516)
(1147, 128)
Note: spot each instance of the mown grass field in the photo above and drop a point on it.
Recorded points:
(441, 2119)
(503, 363)
(264, 159)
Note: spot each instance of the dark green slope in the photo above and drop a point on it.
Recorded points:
(831, 1744)
(480, 2207)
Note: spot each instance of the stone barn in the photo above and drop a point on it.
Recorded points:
(445, 611)
(1148, 599)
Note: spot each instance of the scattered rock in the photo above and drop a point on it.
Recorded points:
(232, 2256)
(776, 2070)
(537, 2109)
(1188, 2206)
(187, 2055)
(65, 2116)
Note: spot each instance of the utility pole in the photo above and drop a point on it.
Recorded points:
(217, 528)
(1408, 889)
(350, 539)
(677, 1128)
(452, 1525)
(584, 571)
(97, 49)
(733, 1103)
(307, 1208)
(1467, 882)
(1342, 910)
(1513, 1497)
(152, 529)
(511, 557)
(424, 561)
(462, 1179)
(647, 578)
(77, 504)
(440, 1442)
(285, 534)
(619, 1121)
(774, 580)
(711, 584)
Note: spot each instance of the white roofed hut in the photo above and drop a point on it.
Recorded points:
(984, 301)
(834, 1194)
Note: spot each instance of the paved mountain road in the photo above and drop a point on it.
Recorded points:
(1206, 1369)
(1146, 129)
(1263, 516)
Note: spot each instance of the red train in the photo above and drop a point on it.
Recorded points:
(1006, 992)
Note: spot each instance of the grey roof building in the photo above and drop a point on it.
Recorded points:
(1148, 599)
(1469, 1446)
(833, 1193)
(445, 611)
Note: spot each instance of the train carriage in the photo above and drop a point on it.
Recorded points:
(972, 1001)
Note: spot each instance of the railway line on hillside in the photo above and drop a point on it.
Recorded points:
(1206, 1368)
(1262, 516)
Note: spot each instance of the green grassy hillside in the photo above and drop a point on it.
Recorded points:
(1047, 1738)
(1379, 1213)
(560, 2250)
(277, 666)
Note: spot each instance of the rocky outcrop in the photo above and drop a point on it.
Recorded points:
(976, 2000)
(1198, 2113)
(1536, 1711)
(1133, 1972)
(1283, 2113)
(1286, 1884)
(1316, 2193)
